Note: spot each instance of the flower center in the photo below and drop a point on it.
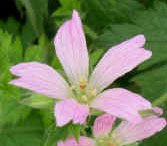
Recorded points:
(82, 91)
(106, 141)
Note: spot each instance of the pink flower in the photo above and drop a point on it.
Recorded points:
(126, 133)
(82, 91)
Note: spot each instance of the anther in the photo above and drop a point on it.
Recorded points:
(113, 135)
(82, 83)
(73, 87)
(111, 144)
(118, 141)
(93, 92)
(84, 98)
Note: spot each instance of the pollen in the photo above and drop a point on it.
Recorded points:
(118, 141)
(82, 83)
(111, 144)
(84, 98)
(73, 87)
(113, 136)
(93, 92)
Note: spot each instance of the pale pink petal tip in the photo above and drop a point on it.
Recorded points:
(158, 110)
(103, 125)
(75, 14)
(139, 39)
(69, 110)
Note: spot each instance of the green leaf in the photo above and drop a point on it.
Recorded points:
(95, 56)
(11, 25)
(36, 52)
(10, 54)
(147, 113)
(151, 75)
(55, 134)
(47, 116)
(75, 130)
(27, 35)
(25, 133)
(161, 100)
(37, 101)
(100, 13)
(16, 51)
(36, 14)
(67, 6)
(65, 10)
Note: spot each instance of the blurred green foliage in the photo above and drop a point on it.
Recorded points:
(26, 118)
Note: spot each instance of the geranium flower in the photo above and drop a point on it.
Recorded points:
(126, 133)
(82, 91)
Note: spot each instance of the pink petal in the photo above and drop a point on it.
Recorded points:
(60, 143)
(41, 79)
(158, 110)
(103, 125)
(121, 103)
(68, 110)
(118, 61)
(83, 141)
(129, 133)
(71, 49)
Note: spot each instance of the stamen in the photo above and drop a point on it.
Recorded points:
(82, 83)
(84, 98)
(113, 135)
(93, 92)
(73, 87)
(111, 144)
(118, 141)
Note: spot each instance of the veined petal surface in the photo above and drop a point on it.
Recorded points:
(121, 103)
(69, 110)
(119, 60)
(129, 133)
(41, 79)
(71, 49)
(103, 125)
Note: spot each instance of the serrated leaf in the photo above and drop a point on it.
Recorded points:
(10, 54)
(151, 75)
(67, 6)
(11, 25)
(27, 35)
(74, 129)
(24, 133)
(100, 13)
(36, 14)
(55, 134)
(36, 52)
